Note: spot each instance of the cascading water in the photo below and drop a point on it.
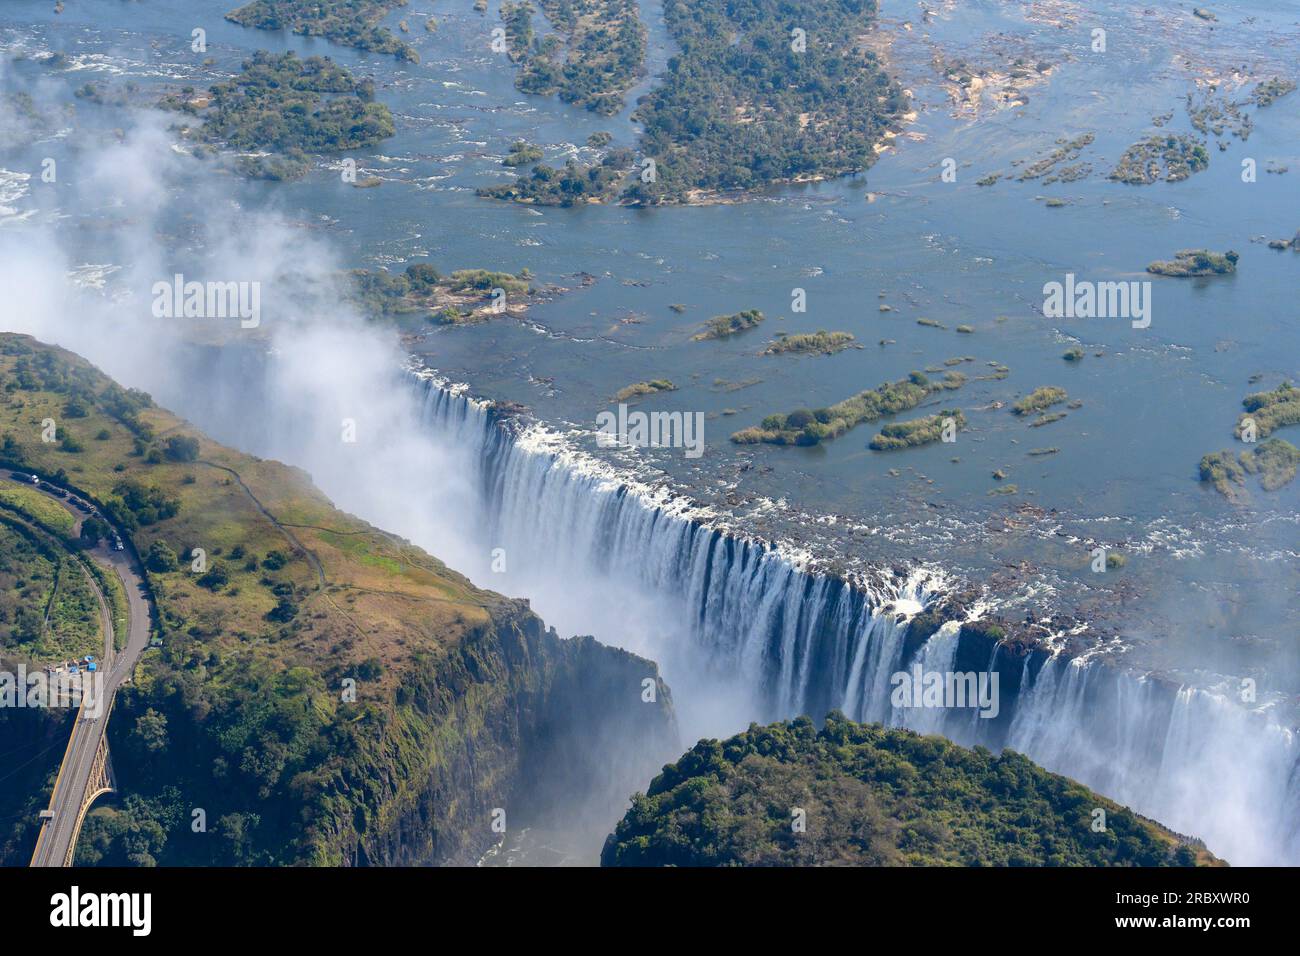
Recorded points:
(742, 632)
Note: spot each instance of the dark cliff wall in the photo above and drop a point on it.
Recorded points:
(551, 731)
(511, 717)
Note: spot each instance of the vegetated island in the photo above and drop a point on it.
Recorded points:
(1163, 157)
(322, 686)
(591, 60)
(465, 297)
(573, 184)
(812, 343)
(724, 326)
(1060, 165)
(1270, 411)
(810, 427)
(1039, 399)
(873, 796)
(282, 108)
(738, 109)
(1188, 263)
(521, 154)
(353, 23)
(637, 389)
(1274, 461)
(918, 431)
(1271, 90)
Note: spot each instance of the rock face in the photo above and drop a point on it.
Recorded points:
(553, 732)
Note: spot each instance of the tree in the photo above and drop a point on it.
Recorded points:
(284, 612)
(216, 578)
(93, 530)
(182, 448)
(161, 558)
(150, 731)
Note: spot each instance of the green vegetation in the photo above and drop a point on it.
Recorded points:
(575, 183)
(38, 508)
(591, 60)
(810, 427)
(1271, 90)
(1040, 398)
(1047, 419)
(722, 326)
(1214, 114)
(296, 599)
(918, 431)
(1221, 470)
(803, 343)
(422, 293)
(521, 154)
(1196, 262)
(1073, 354)
(353, 23)
(645, 388)
(740, 107)
(290, 107)
(1171, 158)
(1270, 410)
(873, 796)
(48, 608)
(1115, 560)
(1059, 165)
(1273, 461)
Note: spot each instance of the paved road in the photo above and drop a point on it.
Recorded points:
(59, 831)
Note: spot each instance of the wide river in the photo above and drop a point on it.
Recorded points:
(1216, 582)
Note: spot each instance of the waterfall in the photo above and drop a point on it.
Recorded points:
(744, 632)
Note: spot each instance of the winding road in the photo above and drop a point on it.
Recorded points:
(69, 801)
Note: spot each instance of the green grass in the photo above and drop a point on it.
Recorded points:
(638, 389)
(1274, 461)
(722, 326)
(916, 432)
(811, 343)
(812, 426)
(1270, 410)
(1039, 399)
(38, 507)
(48, 608)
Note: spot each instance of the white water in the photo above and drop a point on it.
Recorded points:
(743, 633)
